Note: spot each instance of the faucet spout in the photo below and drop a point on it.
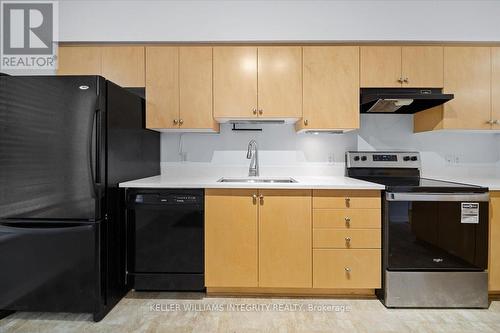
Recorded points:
(253, 156)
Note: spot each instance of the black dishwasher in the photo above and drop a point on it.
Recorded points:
(165, 239)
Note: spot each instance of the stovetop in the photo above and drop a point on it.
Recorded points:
(400, 172)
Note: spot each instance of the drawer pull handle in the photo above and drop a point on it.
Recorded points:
(347, 270)
(261, 198)
(348, 221)
(254, 198)
(348, 241)
(347, 202)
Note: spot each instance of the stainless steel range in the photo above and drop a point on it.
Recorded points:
(434, 237)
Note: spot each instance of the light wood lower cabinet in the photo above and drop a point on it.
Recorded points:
(346, 218)
(494, 241)
(231, 238)
(352, 268)
(348, 239)
(285, 238)
(346, 199)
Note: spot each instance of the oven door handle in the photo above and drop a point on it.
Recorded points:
(463, 197)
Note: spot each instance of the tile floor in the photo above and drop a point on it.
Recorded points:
(169, 312)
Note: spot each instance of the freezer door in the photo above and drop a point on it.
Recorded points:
(49, 266)
(52, 141)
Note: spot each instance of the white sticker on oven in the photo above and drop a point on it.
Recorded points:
(470, 212)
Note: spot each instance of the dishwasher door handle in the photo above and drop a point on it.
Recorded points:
(462, 197)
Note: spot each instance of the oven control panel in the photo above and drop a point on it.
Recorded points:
(378, 159)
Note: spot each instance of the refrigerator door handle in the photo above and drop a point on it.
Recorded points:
(19, 227)
(94, 163)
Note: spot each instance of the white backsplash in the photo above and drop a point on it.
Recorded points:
(281, 150)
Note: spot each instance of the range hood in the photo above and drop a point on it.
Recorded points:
(401, 100)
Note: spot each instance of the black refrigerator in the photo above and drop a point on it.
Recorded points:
(65, 144)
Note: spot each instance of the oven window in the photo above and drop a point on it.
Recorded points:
(430, 236)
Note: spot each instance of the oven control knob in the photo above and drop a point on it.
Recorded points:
(363, 158)
(414, 158)
(406, 158)
(356, 158)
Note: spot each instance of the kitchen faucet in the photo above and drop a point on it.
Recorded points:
(253, 154)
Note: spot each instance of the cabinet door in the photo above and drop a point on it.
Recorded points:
(380, 66)
(495, 87)
(467, 75)
(494, 250)
(422, 66)
(79, 60)
(124, 65)
(285, 239)
(162, 87)
(280, 82)
(331, 87)
(195, 84)
(230, 238)
(235, 82)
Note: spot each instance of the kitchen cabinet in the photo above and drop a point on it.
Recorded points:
(231, 238)
(467, 75)
(276, 224)
(179, 88)
(79, 60)
(494, 243)
(285, 258)
(123, 65)
(330, 88)
(401, 66)
(252, 82)
(346, 239)
(495, 87)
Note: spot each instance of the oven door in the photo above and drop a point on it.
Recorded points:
(436, 231)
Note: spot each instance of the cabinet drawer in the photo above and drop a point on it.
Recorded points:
(353, 268)
(346, 238)
(347, 218)
(346, 199)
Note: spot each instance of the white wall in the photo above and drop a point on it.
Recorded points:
(280, 145)
(300, 20)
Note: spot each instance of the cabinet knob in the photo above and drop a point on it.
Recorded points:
(261, 111)
(261, 198)
(254, 111)
(347, 202)
(348, 221)
(348, 239)
(490, 122)
(176, 121)
(347, 269)
(496, 122)
(400, 80)
(405, 80)
(181, 121)
(254, 198)
(306, 122)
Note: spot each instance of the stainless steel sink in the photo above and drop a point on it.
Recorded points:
(257, 180)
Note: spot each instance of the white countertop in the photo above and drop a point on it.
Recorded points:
(206, 181)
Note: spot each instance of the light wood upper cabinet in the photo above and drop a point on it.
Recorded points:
(235, 82)
(467, 75)
(162, 87)
(254, 82)
(124, 65)
(79, 60)
(422, 66)
(331, 88)
(179, 88)
(380, 66)
(494, 241)
(285, 258)
(407, 66)
(495, 87)
(195, 84)
(231, 239)
(280, 81)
